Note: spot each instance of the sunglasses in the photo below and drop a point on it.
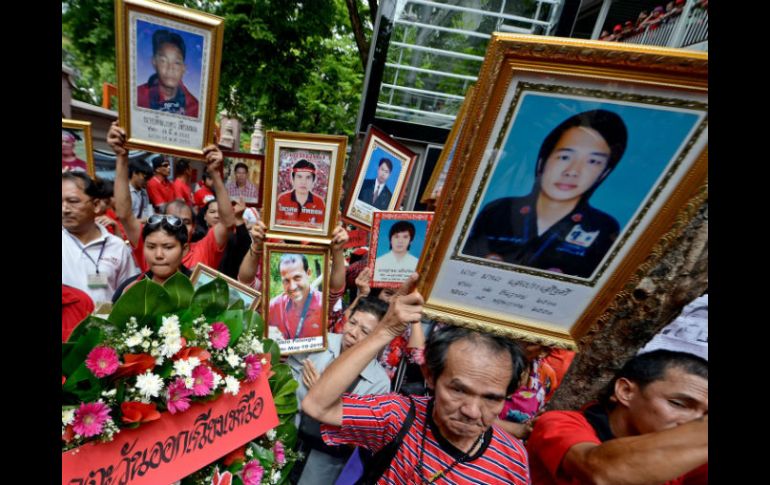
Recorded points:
(165, 164)
(171, 221)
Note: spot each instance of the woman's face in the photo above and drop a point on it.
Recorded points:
(163, 253)
(212, 214)
(399, 243)
(577, 161)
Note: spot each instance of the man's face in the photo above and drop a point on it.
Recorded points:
(164, 169)
(212, 214)
(303, 182)
(163, 253)
(358, 326)
(185, 214)
(575, 164)
(383, 172)
(296, 281)
(77, 209)
(471, 390)
(139, 180)
(399, 243)
(67, 145)
(169, 64)
(666, 403)
(241, 174)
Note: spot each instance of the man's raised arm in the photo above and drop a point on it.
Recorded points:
(116, 138)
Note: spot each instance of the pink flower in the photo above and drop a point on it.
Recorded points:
(253, 367)
(252, 473)
(219, 335)
(278, 451)
(90, 418)
(203, 380)
(178, 397)
(102, 361)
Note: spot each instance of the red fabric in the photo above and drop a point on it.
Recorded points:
(699, 476)
(75, 306)
(204, 251)
(200, 196)
(290, 212)
(182, 191)
(121, 230)
(559, 360)
(191, 102)
(159, 190)
(554, 434)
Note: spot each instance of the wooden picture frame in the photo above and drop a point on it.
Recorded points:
(296, 327)
(390, 269)
(492, 262)
(161, 47)
(203, 274)
(378, 146)
(77, 142)
(297, 163)
(255, 164)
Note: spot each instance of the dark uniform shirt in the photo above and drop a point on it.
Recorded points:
(506, 230)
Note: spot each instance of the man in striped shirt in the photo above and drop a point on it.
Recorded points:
(452, 439)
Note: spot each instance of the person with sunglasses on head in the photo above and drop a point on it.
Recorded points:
(93, 260)
(208, 250)
(165, 241)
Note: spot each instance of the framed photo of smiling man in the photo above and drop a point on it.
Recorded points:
(168, 60)
(566, 179)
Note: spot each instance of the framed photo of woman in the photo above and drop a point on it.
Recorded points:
(397, 241)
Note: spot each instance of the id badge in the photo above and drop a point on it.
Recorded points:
(97, 281)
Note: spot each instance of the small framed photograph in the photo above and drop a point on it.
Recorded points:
(77, 154)
(565, 180)
(245, 177)
(398, 239)
(297, 287)
(441, 170)
(168, 60)
(203, 274)
(303, 174)
(381, 177)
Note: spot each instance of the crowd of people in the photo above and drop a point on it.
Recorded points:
(394, 397)
(648, 20)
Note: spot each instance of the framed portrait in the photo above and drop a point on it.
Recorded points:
(168, 60)
(297, 288)
(426, 162)
(203, 274)
(381, 177)
(441, 170)
(577, 157)
(303, 174)
(397, 241)
(245, 177)
(77, 153)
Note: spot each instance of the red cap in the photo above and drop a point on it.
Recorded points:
(617, 28)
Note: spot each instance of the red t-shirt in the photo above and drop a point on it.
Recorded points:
(159, 190)
(554, 434)
(204, 251)
(284, 315)
(291, 213)
(200, 196)
(76, 305)
(182, 191)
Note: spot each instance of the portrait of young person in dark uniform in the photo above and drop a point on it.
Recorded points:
(554, 227)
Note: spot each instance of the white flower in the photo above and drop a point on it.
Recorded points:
(250, 452)
(189, 382)
(149, 384)
(169, 327)
(184, 367)
(217, 380)
(110, 393)
(146, 345)
(170, 347)
(232, 385)
(271, 434)
(134, 340)
(263, 361)
(67, 415)
(256, 346)
(145, 331)
(276, 476)
(232, 359)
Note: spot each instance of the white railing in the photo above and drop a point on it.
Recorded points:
(696, 30)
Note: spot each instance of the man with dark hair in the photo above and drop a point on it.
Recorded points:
(92, 259)
(159, 189)
(164, 90)
(138, 175)
(181, 183)
(324, 463)
(374, 191)
(204, 194)
(300, 206)
(452, 435)
(298, 311)
(650, 426)
(397, 264)
(241, 186)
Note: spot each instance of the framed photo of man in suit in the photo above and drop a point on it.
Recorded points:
(381, 178)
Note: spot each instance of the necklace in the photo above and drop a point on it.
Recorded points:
(446, 470)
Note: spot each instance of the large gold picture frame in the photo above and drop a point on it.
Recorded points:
(314, 218)
(203, 274)
(78, 134)
(490, 262)
(155, 42)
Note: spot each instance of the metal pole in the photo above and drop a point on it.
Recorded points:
(601, 19)
(681, 25)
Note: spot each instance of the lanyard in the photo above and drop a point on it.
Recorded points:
(301, 316)
(446, 470)
(83, 249)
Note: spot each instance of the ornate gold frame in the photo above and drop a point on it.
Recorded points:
(202, 268)
(85, 126)
(267, 250)
(168, 11)
(677, 70)
(312, 142)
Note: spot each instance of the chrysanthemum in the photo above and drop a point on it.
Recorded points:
(232, 386)
(178, 396)
(149, 384)
(233, 359)
(102, 361)
(219, 336)
(252, 473)
(203, 380)
(253, 367)
(90, 418)
(184, 367)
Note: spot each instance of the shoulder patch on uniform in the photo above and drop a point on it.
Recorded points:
(580, 237)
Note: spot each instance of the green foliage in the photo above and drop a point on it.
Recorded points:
(212, 298)
(180, 290)
(146, 300)
(284, 387)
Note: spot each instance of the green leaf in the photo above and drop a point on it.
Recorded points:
(287, 433)
(145, 300)
(78, 351)
(211, 299)
(107, 327)
(265, 456)
(180, 289)
(275, 352)
(256, 324)
(236, 304)
(83, 385)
